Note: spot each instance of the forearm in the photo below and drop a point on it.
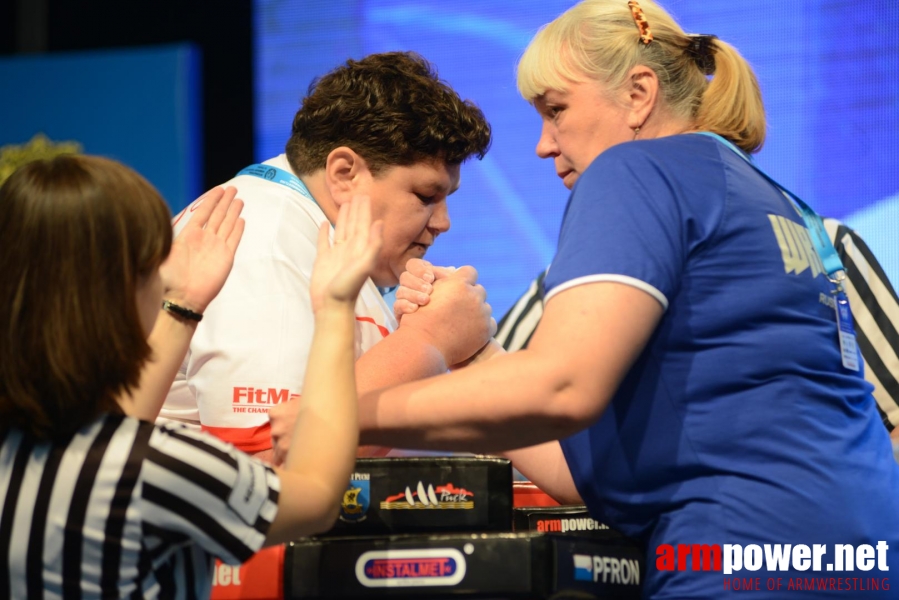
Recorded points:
(401, 357)
(325, 434)
(545, 466)
(491, 349)
(531, 400)
(168, 342)
(192, 275)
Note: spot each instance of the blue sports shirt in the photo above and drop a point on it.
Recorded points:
(738, 423)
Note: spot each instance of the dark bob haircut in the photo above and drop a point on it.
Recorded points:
(392, 110)
(80, 234)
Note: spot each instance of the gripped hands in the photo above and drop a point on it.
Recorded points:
(456, 317)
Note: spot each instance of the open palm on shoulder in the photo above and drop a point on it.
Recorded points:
(341, 268)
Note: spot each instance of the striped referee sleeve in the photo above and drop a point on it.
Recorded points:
(517, 326)
(875, 312)
(201, 487)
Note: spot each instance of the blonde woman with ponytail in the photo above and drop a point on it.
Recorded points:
(686, 380)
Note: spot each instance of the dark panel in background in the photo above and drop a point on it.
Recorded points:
(222, 30)
(7, 26)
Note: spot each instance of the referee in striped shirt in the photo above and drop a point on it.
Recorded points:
(875, 311)
(95, 500)
(126, 508)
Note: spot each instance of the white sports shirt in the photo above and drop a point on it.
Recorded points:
(250, 351)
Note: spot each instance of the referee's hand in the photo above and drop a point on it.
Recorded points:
(203, 252)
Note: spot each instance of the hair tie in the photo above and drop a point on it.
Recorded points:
(702, 51)
(640, 20)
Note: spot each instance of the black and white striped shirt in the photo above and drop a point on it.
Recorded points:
(875, 314)
(127, 509)
(874, 304)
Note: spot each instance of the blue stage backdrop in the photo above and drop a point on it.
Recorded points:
(138, 106)
(829, 71)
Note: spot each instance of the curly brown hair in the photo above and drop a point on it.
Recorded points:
(391, 109)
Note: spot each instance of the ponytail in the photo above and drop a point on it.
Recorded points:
(731, 105)
(702, 78)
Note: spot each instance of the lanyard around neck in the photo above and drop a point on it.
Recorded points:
(276, 175)
(849, 352)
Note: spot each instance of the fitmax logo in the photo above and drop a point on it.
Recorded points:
(249, 395)
(621, 571)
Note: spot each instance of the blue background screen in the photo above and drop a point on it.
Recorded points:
(829, 71)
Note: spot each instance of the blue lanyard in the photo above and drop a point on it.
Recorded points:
(823, 246)
(849, 352)
(276, 175)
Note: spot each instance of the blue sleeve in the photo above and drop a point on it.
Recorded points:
(631, 219)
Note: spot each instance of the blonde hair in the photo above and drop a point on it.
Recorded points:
(598, 39)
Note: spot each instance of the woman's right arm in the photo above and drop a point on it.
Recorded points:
(326, 433)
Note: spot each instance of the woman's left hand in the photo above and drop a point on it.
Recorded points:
(203, 252)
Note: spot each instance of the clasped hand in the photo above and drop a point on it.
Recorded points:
(447, 305)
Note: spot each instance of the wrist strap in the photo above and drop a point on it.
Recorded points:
(180, 311)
